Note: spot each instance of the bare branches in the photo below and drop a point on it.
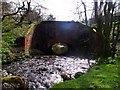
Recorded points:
(82, 9)
(96, 9)
(85, 12)
(25, 14)
(106, 25)
(19, 8)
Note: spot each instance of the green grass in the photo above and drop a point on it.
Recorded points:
(100, 76)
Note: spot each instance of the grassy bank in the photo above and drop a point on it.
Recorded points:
(100, 76)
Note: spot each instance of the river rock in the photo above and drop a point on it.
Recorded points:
(44, 71)
(78, 74)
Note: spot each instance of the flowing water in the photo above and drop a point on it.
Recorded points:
(45, 71)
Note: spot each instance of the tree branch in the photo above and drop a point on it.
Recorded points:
(85, 12)
(25, 14)
(19, 8)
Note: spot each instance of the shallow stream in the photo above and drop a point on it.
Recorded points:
(45, 71)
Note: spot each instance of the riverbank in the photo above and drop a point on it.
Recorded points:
(45, 71)
(100, 76)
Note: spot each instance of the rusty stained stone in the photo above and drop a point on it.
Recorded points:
(28, 40)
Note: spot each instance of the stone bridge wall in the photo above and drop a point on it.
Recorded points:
(45, 34)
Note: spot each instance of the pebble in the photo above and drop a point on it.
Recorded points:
(45, 71)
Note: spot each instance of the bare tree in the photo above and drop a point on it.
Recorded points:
(50, 18)
(86, 21)
(25, 12)
(104, 14)
(6, 7)
(82, 13)
(78, 12)
(18, 11)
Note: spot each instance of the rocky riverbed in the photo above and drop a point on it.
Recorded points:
(45, 71)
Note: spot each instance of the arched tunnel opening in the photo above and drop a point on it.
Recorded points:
(62, 38)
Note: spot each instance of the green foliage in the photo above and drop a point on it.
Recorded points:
(107, 60)
(7, 25)
(21, 31)
(9, 34)
(7, 55)
(100, 76)
(7, 43)
(23, 56)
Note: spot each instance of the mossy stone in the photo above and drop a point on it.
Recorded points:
(16, 81)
